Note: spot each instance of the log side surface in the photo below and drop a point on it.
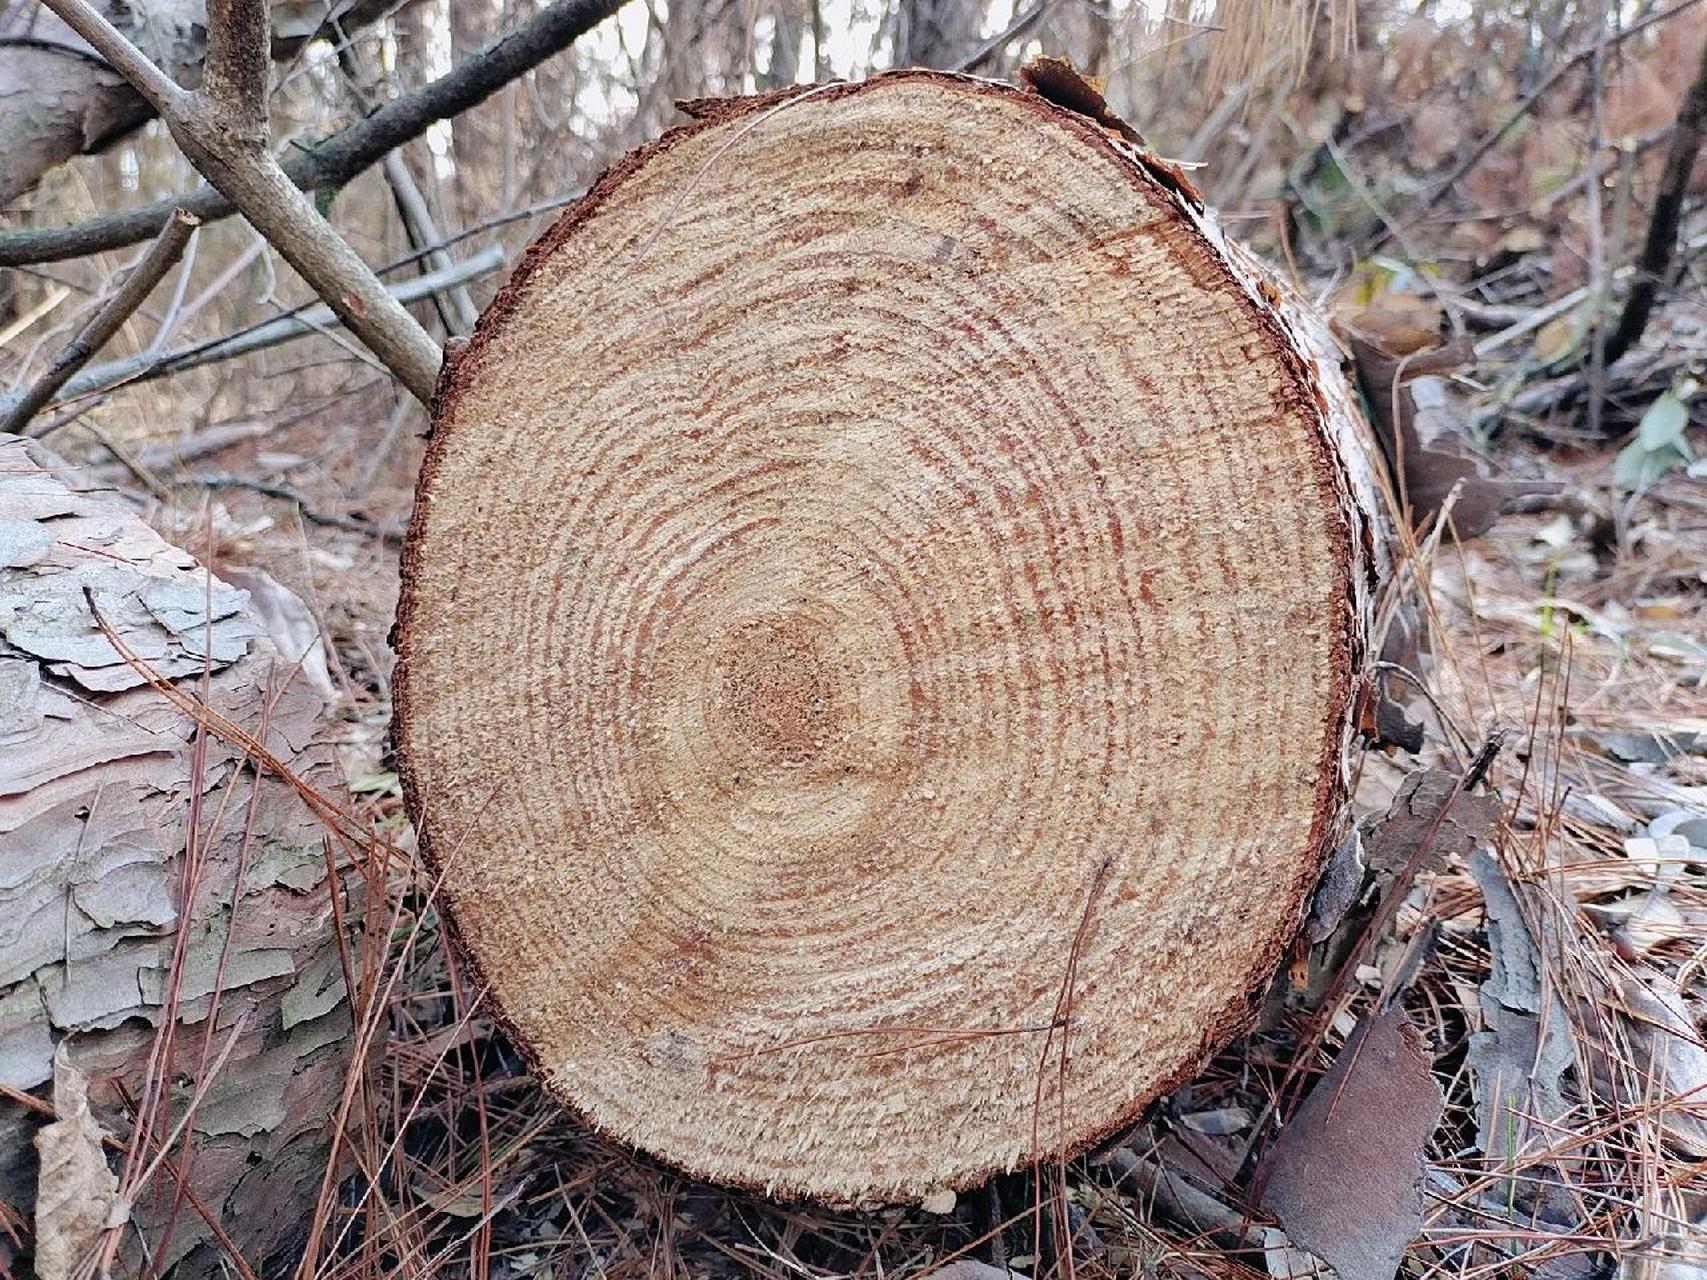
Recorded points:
(884, 608)
(165, 912)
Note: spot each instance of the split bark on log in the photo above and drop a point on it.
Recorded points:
(99, 782)
(918, 573)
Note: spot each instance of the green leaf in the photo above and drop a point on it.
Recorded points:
(1660, 442)
(1637, 468)
(1664, 422)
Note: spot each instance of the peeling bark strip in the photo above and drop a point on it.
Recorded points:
(97, 779)
(869, 512)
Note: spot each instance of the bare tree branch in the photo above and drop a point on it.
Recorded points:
(456, 310)
(222, 130)
(235, 72)
(150, 81)
(336, 160)
(161, 255)
(147, 366)
(1657, 250)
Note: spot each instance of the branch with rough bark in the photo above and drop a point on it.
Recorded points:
(335, 160)
(159, 259)
(222, 129)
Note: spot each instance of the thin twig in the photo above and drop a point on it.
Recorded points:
(996, 43)
(298, 323)
(354, 524)
(424, 233)
(161, 255)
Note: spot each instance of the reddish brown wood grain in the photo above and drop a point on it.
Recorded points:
(872, 511)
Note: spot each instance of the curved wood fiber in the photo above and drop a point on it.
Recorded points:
(880, 551)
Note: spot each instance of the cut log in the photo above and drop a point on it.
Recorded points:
(102, 782)
(883, 616)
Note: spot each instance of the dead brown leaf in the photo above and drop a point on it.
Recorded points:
(76, 1192)
(1397, 324)
(1426, 471)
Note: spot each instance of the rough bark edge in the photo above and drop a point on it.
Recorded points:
(1303, 348)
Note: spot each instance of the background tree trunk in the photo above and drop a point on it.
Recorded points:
(935, 33)
(919, 578)
(155, 894)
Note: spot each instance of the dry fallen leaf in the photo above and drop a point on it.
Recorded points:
(1400, 324)
(1419, 430)
(76, 1192)
(1669, 1071)
(1557, 338)
(1344, 1177)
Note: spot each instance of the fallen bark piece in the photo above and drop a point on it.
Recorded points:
(1517, 1059)
(1345, 1176)
(884, 608)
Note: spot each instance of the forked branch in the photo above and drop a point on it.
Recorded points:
(222, 130)
(334, 161)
